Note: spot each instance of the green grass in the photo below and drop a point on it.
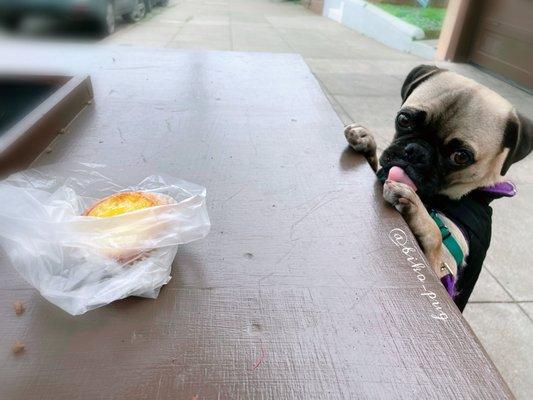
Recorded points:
(428, 19)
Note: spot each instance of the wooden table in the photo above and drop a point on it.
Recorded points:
(300, 291)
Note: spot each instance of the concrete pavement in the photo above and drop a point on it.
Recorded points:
(362, 80)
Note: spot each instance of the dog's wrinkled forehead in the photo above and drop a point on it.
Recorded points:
(461, 106)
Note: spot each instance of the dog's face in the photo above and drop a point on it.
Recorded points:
(454, 135)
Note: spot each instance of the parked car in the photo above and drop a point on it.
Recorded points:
(101, 13)
(152, 3)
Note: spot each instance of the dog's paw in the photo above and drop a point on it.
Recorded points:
(360, 139)
(401, 196)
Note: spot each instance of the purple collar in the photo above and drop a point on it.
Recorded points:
(448, 282)
(505, 188)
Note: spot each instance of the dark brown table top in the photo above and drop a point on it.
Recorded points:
(297, 292)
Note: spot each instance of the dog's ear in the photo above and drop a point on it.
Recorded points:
(518, 138)
(416, 77)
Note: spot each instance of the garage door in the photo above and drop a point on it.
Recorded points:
(503, 39)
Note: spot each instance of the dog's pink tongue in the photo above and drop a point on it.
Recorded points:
(397, 174)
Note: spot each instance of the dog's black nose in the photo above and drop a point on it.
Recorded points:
(412, 149)
(415, 152)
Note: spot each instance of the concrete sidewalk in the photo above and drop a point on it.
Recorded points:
(362, 80)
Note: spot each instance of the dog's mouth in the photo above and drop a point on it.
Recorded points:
(397, 174)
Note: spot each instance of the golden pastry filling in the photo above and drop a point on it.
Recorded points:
(122, 203)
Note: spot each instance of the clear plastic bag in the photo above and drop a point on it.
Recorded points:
(72, 259)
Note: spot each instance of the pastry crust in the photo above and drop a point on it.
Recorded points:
(122, 203)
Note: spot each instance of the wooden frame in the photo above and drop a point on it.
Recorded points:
(457, 30)
(30, 136)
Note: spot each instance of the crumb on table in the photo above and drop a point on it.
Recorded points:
(19, 307)
(18, 347)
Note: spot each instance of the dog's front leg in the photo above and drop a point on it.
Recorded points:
(362, 141)
(402, 197)
(407, 202)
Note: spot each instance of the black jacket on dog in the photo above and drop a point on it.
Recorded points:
(473, 215)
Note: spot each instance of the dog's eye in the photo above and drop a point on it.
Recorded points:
(461, 157)
(404, 120)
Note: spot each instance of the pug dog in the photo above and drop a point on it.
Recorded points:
(455, 141)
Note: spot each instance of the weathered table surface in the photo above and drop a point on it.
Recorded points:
(297, 292)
